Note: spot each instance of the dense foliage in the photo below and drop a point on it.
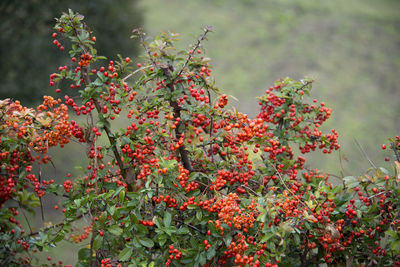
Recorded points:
(187, 181)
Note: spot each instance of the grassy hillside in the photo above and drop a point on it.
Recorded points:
(351, 48)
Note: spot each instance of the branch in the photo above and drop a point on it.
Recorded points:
(177, 113)
(110, 136)
(190, 226)
(395, 151)
(54, 226)
(133, 73)
(305, 252)
(201, 38)
(365, 154)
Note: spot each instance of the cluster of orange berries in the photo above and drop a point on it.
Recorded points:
(67, 186)
(183, 178)
(146, 223)
(55, 117)
(237, 249)
(110, 72)
(56, 42)
(234, 216)
(229, 212)
(171, 202)
(197, 94)
(177, 145)
(79, 238)
(39, 129)
(207, 245)
(27, 123)
(222, 102)
(289, 206)
(85, 60)
(174, 254)
(107, 263)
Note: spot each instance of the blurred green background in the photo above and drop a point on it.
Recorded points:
(350, 47)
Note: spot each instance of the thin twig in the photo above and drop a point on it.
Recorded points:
(207, 29)
(381, 193)
(395, 151)
(26, 219)
(190, 226)
(133, 73)
(290, 191)
(54, 226)
(365, 154)
(40, 198)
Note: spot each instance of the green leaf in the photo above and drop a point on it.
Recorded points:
(183, 230)
(202, 259)
(125, 254)
(162, 239)
(266, 237)
(396, 245)
(147, 242)
(351, 181)
(136, 243)
(111, 210)
(227, 240)
(391, 233)
(98, 241)
(58, 238)
(103, 217)
(101, 76)
(167, 219)
(199, 215)
(122, 196)
(115, 230)
(211, 253)
(84, 254)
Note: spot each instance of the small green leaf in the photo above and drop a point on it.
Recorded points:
(122, 196)
(147, 242)
(396, 245)
(199, 215)
(167, 219)
(98, 241)
(58, 238)
(227, 240)
(391, 233)
(84, 254)
(125, 254)
(351, 181)
(266, 237)
(115, 230)
(183, 230)
(162, 239)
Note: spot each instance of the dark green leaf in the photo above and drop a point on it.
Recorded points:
(115, 230)
(147, 242)
(125, 254)
(98, 241)
(167, 219)
(84, 254)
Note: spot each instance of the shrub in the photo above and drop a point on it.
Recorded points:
(187, 181)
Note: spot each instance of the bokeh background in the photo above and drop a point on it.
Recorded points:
(350, 47)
